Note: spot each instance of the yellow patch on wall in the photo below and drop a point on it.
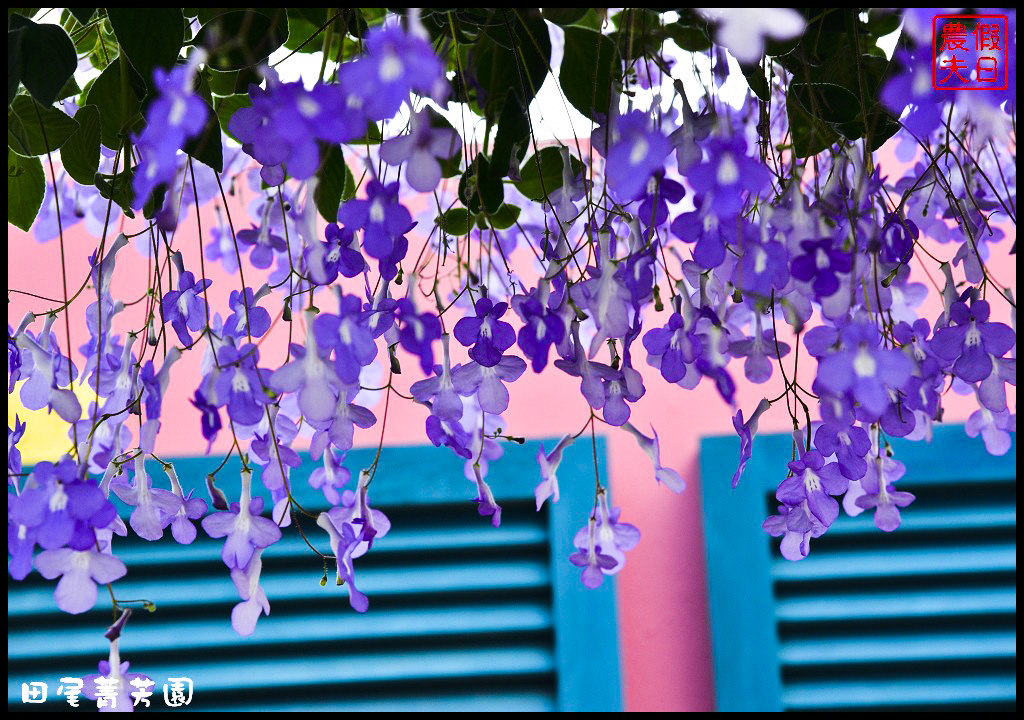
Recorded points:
(46, 434)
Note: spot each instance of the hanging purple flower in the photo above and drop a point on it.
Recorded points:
(395, 64)
(814, 482)
(254, 600)
(970, 342)
(548, 486)
(439, 391)
(79, 572)
(660, 191)
(427, 142)
(176, 115)
(601, 545)
(240, 384)
(863, 369)
(541, 329)
(484, 333)
(210, 422)
(635, 153)
(417, 333)
(663, 475)
(487, 383)
(674, 346)
(381, 216)
(820, 264)
(185, 308)
(264, 245)
(727, 174)
(155, 508)
(245, 528)
(747, 430)
(339, 255)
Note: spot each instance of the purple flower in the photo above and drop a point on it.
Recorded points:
(349, 335)
(79, 572)
(601, 545)
(607, 299)
(876, 491)
(660, 191)
(339, 429)
(797, 525)
(254, 600)
(331, 476)
(757, 350)
(264, 245)
(665, 476)
(247, 319)
(971, 341)
(727, 174)
(210, 417)
(541, 329)
(913, 86)
(675, 347)
(395, 64)
(185, 308)
(13, 453)
(172, 118)
(47, 370)
(486, 336)
(245, 529)
(849, 443)
(381, 216)
(819, 265)
(487, 383)
(487, 506)
(339, 255)
(995, 429)
(417, 333)
(814, 482)
(155, 508)
(635, 153)
(427, 141)
(747, 430)
(240, 384)
(439, 391)
(312, 377)
(864, 369)
(182, 529)
(114, 674)
(548, 486)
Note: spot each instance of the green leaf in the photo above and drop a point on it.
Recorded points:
(82, 15)
(232, 82)
(479, 189)
(69, 90)
(454, 222)
(335, 183)
(242, 38)
(80, 155)
(564, 16)
(512, 137)
(35, 130)
(810, 136)
(542, 173)
(46, 57)
(515, 53)
(119, 107)
(586, 73)
(827, 101)
(757, 81)
(26, 187)
(119, 189)
(149, 37)
(206, 146)
(13, 63)
(505, 217)
(226, 107)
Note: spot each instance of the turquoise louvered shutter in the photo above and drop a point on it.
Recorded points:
(922, 618)
(463, 616)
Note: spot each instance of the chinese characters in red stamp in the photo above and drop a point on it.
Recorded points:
(970, 52)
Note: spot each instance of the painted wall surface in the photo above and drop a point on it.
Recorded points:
(665, 642)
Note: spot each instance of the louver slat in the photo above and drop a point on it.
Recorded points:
(923, 618)
(463, 616)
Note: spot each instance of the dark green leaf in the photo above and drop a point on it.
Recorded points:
(26, 187)
(232, 82)
(149, 37)
(514, 53)
(119, 189)
(226, 107)
(46, 57)
(454, 222)
(690, 32)
(826, 101)
(13, 63)
(512, 137)
(586, 73)
(479, 189)
(564, 16)
(119, 107)
(35, 130)
(80, 155)
(504, 218)
(82, 15)
(242, 38)
(69, 90)
(335, 183)
(810, 136)
(542, 173)
(757, 81)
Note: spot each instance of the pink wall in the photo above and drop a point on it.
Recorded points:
(666, 648)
